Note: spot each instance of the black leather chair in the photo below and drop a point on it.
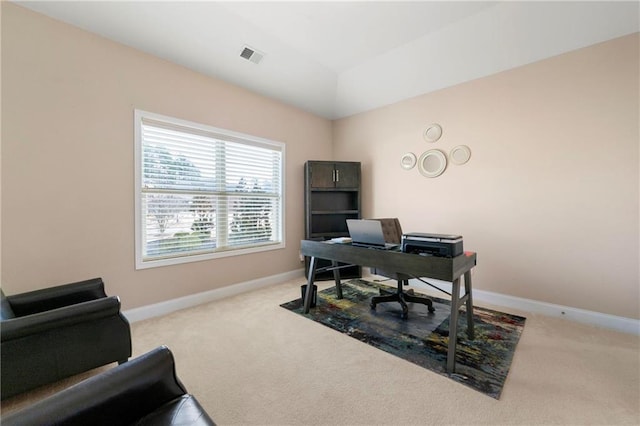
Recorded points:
(53, 333)
(143, 391)
(392, 232)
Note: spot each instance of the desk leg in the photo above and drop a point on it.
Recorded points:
(453, 326)
(308, 294)
(467, 289)
(336, 277)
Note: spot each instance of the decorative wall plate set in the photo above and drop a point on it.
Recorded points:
(432, 163)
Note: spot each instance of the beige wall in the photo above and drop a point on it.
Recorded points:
(549, 199)
(67, 159)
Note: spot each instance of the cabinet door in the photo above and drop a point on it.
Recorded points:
(347, 175)
(322, 175)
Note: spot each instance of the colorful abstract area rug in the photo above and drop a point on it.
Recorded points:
(422, 338)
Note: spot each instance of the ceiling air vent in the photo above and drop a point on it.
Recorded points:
(251, 54)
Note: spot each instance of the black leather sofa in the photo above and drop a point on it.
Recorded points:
(143, 391)
(57, 332)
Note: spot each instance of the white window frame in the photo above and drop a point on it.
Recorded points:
(218, 134)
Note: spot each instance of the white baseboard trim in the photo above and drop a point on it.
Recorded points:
(163, 308)
(612, 322)
(598, 319)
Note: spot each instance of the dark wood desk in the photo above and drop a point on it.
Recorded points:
(441, 268)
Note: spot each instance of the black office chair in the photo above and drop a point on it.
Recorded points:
(393, 234)
(57, 332)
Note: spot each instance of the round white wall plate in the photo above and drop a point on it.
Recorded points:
(408, 161)
(460, 154)
(433, 132)
(432, 163)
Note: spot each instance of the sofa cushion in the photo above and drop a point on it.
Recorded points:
(184, 410)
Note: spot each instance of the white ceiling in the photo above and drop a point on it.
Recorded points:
(336, 59)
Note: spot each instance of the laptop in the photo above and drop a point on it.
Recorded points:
(368, 233)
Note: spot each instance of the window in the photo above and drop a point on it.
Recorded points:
(203, 192)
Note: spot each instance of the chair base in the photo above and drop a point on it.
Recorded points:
(401, 297)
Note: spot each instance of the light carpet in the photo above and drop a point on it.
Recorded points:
(250, 362)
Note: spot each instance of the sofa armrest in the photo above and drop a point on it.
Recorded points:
(56, 297)
(121, 395)
(184, 410)
(20, 327)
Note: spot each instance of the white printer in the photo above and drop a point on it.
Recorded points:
(432, 244)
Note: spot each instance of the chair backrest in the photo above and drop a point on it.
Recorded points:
(46, 299)
(121, 395)
(391, 230)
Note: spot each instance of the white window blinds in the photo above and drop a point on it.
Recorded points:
(204, 192)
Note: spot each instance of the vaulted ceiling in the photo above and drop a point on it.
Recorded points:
(336, 59)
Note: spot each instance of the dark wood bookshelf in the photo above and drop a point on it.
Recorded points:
(331, 196)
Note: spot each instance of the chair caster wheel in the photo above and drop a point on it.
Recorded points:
(431, 309)
(373, 305)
